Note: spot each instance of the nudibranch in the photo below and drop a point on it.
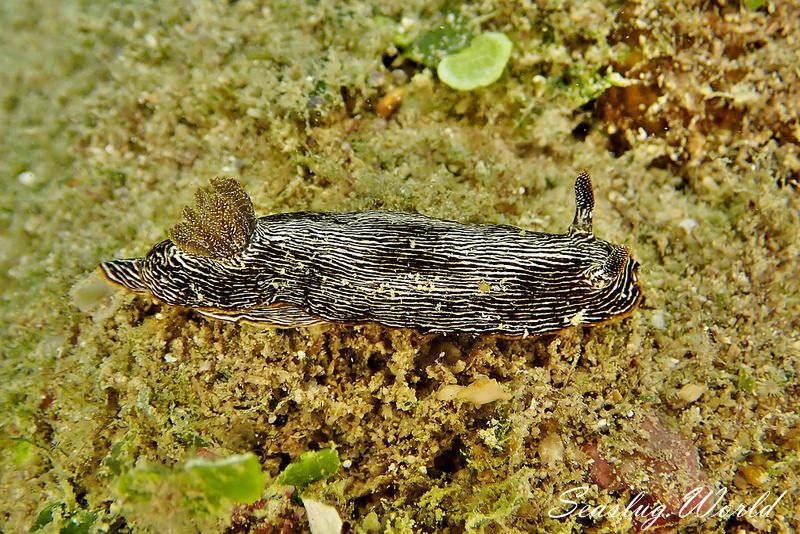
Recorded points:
(400, 270)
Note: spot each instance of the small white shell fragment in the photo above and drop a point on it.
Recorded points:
(322, 519)
(92, 294)
(449, 392)
(688, 225)
(481, 391)
(691, 392)
(26, 178)
(551, 449)
(659, 320)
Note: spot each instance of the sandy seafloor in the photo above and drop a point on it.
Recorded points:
(112, 114)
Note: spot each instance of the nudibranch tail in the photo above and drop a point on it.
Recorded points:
(125, 273)
(584, 204)
(222, 224)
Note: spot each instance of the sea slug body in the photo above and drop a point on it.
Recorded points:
(396, 269)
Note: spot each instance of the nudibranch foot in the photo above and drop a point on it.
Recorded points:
(279, 316)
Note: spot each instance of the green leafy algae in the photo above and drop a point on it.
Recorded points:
(753, 5)
(206, 485)
(480, 64)
(237, 478)
(79, 522)
(312, 466)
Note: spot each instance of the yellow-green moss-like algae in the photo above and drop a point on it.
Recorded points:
(114, 115)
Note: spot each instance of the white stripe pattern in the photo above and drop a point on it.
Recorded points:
(400, 270)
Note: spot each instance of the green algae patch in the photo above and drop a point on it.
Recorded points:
(237, 478)
(312, 466)
(753, 5)
(57, 515)
(206, 483)
(22, 452)
(429, 47)
(496, 503)
(480, 64)
(199, 491)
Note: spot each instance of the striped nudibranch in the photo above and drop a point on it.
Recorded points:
(395, 269)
